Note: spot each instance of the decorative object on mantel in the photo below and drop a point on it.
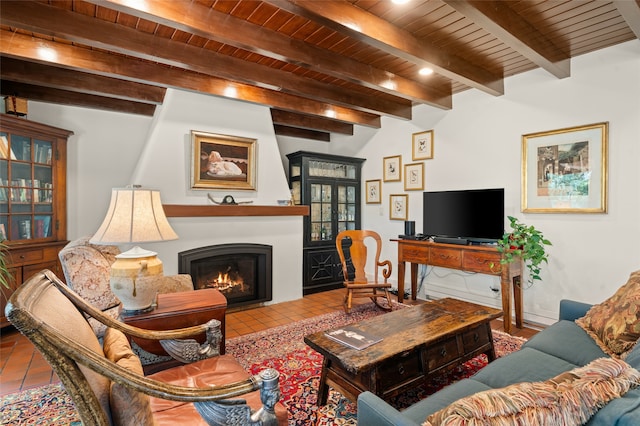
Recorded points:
(135, 215)
(16, 106)
(525, 242)
(228, 200)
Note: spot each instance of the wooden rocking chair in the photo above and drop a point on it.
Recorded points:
(360, 285)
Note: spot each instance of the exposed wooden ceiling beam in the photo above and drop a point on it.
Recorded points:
(302, 121)
(301, 133)
(57, 22)
(29, 48)
(499, 19)
(75, 81)
(368, 28)
(66, 97)
(211, 24)
(630, 11)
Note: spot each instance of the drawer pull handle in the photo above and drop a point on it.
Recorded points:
(401, 369)
(443, 352)
(476, 337)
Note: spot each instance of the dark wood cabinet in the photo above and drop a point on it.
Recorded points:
(330, 186)
(33, 198)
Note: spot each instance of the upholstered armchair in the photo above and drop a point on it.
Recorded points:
(86, 270)
(106, 381)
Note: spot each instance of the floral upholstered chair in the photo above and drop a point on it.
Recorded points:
(87, 268)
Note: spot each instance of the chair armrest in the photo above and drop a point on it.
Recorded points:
(571, 310)
(185, 351)
(372, 410)
(212, 402)
(386, 271)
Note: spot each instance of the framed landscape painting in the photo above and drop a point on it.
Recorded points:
(223, 162)
(565, 170)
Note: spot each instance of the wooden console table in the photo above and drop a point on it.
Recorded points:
(465, 258)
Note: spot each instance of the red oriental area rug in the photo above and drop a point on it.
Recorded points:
(282, 348)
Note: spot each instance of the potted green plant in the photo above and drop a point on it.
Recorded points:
(525, 242)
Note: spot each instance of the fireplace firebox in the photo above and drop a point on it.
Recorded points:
(242, 272)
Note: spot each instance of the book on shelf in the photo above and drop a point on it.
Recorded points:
(353, 337)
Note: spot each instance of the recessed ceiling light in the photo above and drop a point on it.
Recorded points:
(425, 71)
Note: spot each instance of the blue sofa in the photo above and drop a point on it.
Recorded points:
(560, 347)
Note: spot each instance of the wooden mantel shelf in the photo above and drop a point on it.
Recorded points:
(178, 210)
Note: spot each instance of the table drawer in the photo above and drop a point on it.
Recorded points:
(442, 353)
(481, 262)
(400, 369)
(415, 254)
(475, 338)
(448, 258)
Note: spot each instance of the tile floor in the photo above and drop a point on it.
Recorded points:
(22, 367)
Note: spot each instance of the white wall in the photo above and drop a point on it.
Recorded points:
(478, 144)
(110, 150)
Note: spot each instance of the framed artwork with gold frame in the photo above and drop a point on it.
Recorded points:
(422, 145)
(398, 206)
(565, 170)
(374, 191)
(392, 168)
(223, 162)
(414, 177)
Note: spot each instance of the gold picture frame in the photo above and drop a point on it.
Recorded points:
(223, 162)
(398, 206)
(414, 177)
(565, 170)
(373, 190)
(422, 145)
(392, 168)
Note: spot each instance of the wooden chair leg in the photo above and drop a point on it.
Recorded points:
(347, 301)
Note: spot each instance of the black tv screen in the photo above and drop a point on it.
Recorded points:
(476, 214)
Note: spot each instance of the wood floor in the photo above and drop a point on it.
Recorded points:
(22, 367)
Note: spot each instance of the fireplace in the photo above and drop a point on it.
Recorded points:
(242, 272)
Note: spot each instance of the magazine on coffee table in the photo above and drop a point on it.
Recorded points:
(353, 337)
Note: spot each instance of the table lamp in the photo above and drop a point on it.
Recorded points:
(135, 215)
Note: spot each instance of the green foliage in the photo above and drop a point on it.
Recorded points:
(5, 275)
(526, 242)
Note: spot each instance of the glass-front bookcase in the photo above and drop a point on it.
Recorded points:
(330, 186)
(33, 218)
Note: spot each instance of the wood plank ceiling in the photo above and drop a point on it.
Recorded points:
(321, 66)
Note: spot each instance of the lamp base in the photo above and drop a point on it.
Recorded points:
(135, 295)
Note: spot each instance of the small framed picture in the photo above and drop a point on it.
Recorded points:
(422, 148)
(374, 191)
(414, 177)
(392, 168)
(398, 206)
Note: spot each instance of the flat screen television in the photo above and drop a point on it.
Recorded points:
(476, 215)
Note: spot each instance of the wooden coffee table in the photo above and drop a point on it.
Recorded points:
(418, 342)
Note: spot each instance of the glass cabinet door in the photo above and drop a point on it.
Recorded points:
(321, 200)
(346, 207)
(26, 187)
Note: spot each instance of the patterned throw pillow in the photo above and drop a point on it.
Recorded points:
(568, 399)
(128, 407)
(615, 323)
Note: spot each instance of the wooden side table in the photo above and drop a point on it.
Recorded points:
(180, 310)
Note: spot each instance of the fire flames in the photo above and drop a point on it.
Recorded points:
(224, 281)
